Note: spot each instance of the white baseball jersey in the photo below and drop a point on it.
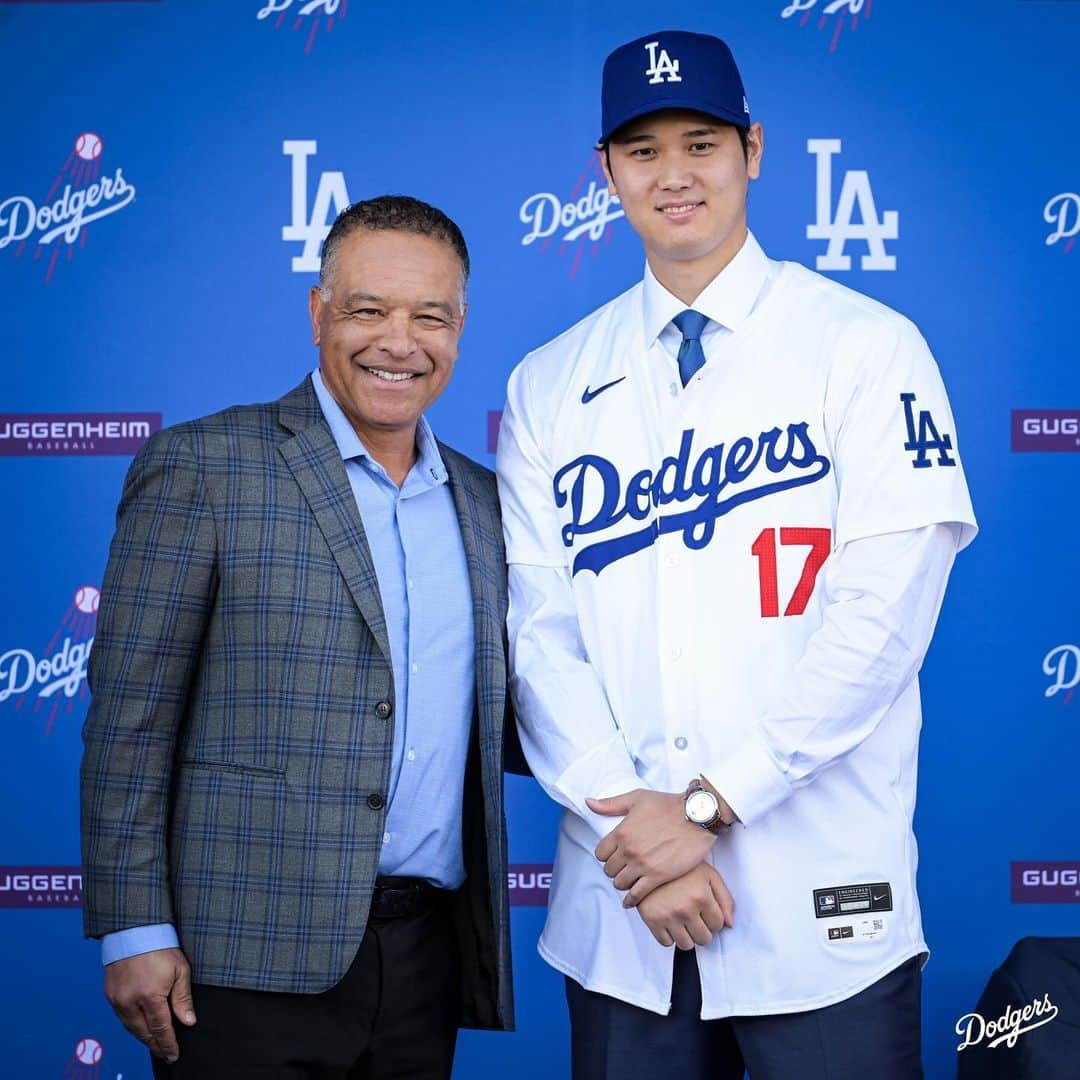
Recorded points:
(738, 578)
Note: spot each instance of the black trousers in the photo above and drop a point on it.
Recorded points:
(875, 1034)
(393, 1015)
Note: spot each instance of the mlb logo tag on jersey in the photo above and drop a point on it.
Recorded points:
(854, 192)
(661, 68)
(926, 439)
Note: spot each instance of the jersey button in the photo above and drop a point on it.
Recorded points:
(680, 743)
(376, 801)
(676, 652)
(383, 710)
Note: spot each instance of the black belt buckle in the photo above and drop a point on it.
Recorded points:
(402, 898)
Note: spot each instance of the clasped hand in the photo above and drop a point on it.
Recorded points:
(657, 858)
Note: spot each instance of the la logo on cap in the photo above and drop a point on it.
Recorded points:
(662, 68)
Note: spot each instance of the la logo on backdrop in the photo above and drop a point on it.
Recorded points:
(836, 14)
(45, 683)
(81, 193)
(313, 15)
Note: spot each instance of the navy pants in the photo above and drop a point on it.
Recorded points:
(876, 1033)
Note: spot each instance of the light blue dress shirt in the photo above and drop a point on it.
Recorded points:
(419, 558)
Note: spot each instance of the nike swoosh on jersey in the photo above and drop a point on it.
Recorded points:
(588, 394)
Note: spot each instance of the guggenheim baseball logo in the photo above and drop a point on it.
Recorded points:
(74, 434)
(836, 14)
(1046, 882)
(582, 221)
(1046, 430)
(56, 676)
(312, 14)
(40, 886)
(78, 196)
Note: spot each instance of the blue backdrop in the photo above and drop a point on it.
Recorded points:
(167, 169)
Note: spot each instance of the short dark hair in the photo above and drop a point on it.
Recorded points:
(400, 212)
(744, 139)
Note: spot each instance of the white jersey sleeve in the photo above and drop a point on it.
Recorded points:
(894, 442)
(568, 733)
(882, 598)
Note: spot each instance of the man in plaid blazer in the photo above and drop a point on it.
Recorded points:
(292, 785)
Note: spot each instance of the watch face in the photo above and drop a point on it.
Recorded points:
(701, 807)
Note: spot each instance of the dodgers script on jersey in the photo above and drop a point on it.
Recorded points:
(691, 533)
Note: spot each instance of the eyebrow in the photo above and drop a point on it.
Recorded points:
(692, 134)
(359, 297)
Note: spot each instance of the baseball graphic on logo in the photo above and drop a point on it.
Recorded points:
(87, 599)
(88, 1051)
(88, 146)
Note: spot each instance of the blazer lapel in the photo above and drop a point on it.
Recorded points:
(316, 464)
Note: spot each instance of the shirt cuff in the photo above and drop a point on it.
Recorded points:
(138, 940)
(749, 780)
(605, 771)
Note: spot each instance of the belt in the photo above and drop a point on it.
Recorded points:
(404, 897)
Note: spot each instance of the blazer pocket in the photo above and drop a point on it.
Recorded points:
(232, 766)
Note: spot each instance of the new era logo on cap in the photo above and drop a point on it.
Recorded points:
(672, 69)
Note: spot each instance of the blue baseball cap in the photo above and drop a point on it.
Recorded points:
(671, 69)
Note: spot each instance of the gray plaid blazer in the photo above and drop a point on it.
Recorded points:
(238, 743)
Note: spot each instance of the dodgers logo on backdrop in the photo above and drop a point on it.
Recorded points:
(1062, 665)
(314, 14)
(331, 197)
(1063, 212)
(56, 676)
(584, 219)
(842, 12)
(78, 196)
(855, 193)
(599, 499)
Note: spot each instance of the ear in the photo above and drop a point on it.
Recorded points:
(315, 309)
(755, 148)
(607, 172)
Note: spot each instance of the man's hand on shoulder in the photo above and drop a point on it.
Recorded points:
(141, 990)
(688, 911)
(652, 845)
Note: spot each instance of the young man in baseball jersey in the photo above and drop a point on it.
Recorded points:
(732, 498)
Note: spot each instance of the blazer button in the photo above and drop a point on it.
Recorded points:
(383, 710)
(376, 801)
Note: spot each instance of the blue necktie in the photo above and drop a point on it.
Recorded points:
(691, 355)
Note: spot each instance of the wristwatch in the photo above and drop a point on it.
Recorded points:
(703, 808)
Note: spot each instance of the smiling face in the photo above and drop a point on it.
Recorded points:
(388, 333)
(682, 178)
